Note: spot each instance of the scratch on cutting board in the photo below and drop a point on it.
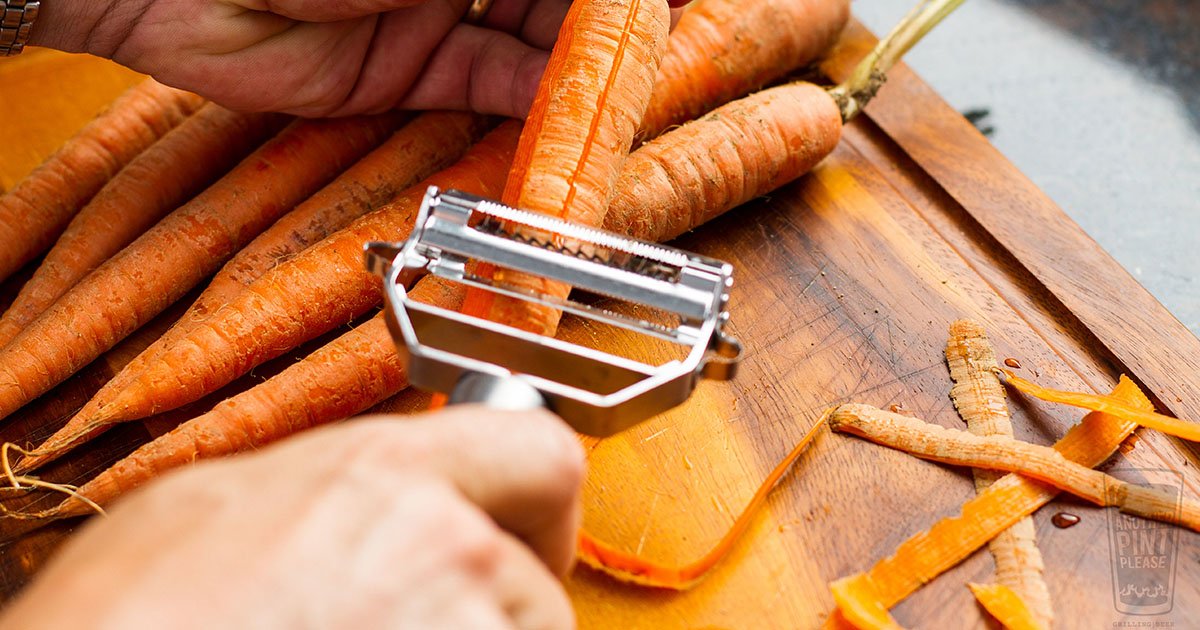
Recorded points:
(646, 527)
(655, 434)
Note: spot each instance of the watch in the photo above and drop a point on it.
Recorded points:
(16, 20)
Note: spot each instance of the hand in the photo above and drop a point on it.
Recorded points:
(321, 57)
(461, 519)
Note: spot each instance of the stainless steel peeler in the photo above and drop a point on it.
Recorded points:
(664, 295)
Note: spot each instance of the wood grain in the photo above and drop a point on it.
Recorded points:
(846, 283)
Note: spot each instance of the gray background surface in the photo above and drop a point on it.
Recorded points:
(1098, 103)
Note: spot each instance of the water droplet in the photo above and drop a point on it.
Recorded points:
(1012, 363)
(1063, 520)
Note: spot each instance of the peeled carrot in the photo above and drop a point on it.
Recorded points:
(585, 114)
(927, 554)
(422, 146)
(37, 209)
(723, 49)
(167, 261)
(157, 181)
(322, 288)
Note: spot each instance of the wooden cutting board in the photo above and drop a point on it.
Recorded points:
(846, 283)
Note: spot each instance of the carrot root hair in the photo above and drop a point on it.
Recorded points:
(27, 483)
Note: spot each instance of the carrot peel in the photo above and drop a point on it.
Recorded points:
(1111, 405)
(859, 605)
(1006, 606)
(929, 553)
(631, 568)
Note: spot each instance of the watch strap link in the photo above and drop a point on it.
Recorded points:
(16, 20)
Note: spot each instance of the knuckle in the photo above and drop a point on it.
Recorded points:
(468, 540)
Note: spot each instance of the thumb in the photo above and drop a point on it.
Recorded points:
(335, 10)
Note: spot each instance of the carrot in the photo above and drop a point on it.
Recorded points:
(593, 95)
(723, 49)
(37, 209)
(171, 171)
(336, 381)
(412, 153)
(792, 128)
(167, 261)
(927, 554)
(322, 288)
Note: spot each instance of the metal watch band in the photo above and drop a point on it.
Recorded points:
(16, 20)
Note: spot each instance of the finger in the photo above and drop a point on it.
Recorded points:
(524, 469)
(535, 22)
(326, 11)
(530, 595)
(473, 68)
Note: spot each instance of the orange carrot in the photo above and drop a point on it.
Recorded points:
(338, 380)
(167, 261)
(723, 49)
(37, 209)
(803, 144)
(171, 171)
(424, 145)
(324, 287)
(587, 109)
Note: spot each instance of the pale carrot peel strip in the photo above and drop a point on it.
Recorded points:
(1108, 404)
(1006, 606)
(929, 553)
(978, 395)
(960, 448)
(631, 568)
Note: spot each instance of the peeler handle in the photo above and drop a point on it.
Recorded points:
(507, 393)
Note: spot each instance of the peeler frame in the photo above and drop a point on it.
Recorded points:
(596, 392)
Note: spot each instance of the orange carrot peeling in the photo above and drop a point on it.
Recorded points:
(927, 554)
(36, 210)
(170, 259)
(157, 181)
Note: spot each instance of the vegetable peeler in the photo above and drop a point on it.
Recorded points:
(663, 295)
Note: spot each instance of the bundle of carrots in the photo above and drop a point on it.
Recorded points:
(278, 210)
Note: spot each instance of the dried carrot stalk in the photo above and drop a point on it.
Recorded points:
(1006, 606)
(928, 554)
(979, 397)
(950, 446)
(1111, 405)
(628, 567)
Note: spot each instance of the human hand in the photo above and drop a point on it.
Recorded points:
(461, 519)
(321, 57)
